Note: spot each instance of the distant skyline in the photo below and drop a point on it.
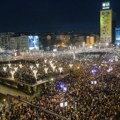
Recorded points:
(52, 15)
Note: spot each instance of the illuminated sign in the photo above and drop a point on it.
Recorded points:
(33, 42)
(105, 5)
(106, 26)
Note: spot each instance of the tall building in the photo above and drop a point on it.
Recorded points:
(107, 24)
(117, 36)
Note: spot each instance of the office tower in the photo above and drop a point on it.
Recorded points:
(107, 24)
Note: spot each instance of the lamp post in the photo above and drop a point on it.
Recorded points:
(15, 68)
(52, 79)
(60, 69)
(50, 61)
(5, 68)
(35, 74)
(31, 67)
(45, 60)
(46, 70)
(12, 73)
(20, 65)
(9, 65)
(70, 65)
(37, 64)
(53, 67)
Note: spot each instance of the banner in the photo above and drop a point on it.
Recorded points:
(33, 42)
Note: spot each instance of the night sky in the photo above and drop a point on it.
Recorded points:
(52, 15)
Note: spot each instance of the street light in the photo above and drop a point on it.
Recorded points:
(15, 68)
(9, 65)
(52, 79)
(20, 65)
(12, 73)
(31, 67)
(37, 64)
(5, 68)
(53, 67)
(71, 65)
(50, 61)
(35, 74)
(45, 60)
(46, 70)
(110, 69)
(60, 69)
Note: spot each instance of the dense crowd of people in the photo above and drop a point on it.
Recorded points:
(89, 90)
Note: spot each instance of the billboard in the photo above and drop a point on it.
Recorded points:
(33, 42)
(106, 26)
(105, 5)
(117, 35)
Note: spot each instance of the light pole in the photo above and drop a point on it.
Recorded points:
(46, 70)
(5, 68)
(9, 65)
(45, 60)
(60, 69)
(52, 79)
(20, 65)
(35, 74)
(37, 64)
(70, 65)
(53, 68)
(12, 73)
(15, 68)
(31, 67)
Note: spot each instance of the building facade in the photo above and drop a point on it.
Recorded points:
(117, 36)
(107, 24)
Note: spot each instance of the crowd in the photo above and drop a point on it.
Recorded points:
(91, 89)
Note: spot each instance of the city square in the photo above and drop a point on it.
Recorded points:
(60, 60)
(72, 84)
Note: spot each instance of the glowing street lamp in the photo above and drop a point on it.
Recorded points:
(35, 74)
(74, 56)
(53, 67)
(45, 60)
(20, 65)
(12, 73)
(52, 79)
(5, 68)
(37, 64)
(110, 69)
(50, 61)
(78, 67)
(71, 65)
(107, 44)
(31, 67)
(9, 65)
(15, 68)
(60, 69)
(46, 70)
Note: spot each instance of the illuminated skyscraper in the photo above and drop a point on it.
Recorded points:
(107, 24)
